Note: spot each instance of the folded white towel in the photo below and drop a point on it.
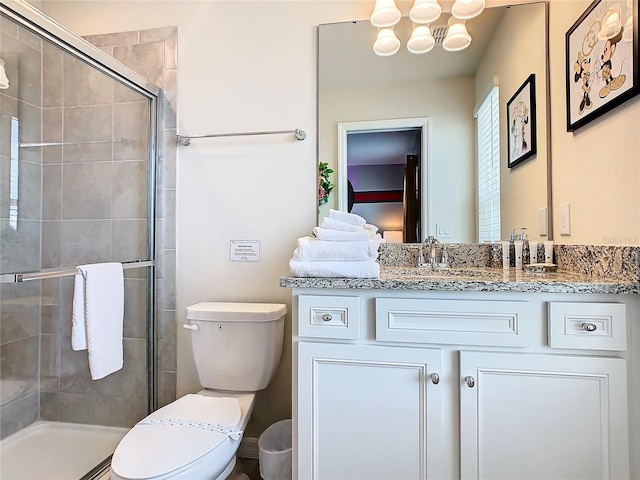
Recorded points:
(335, 269)
(334, 224)
(371, 228)
(339, 235)
(346, 217)
(97, 319)
(312, 249)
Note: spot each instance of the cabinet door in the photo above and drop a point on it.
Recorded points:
(367, 412)
(543, 417)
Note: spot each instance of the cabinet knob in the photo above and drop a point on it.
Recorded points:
(589, 327)
(435, 378)
(470, 381)
(326, 317)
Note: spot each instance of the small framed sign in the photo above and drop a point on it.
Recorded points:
(244, 251)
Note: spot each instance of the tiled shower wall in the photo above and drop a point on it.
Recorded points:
(94, 210)
(154, 55)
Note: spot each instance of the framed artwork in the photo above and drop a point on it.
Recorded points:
(601, 61)
(521, 123)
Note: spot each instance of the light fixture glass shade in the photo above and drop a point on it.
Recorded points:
(457, 37)
(466, 9)
(385, 14)
(4, 81)
(387, 43)
(421, 40)
(425, 11)
(611, 24)
(627, 34)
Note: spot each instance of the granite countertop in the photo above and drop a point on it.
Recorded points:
(478, 279)
(478, 268)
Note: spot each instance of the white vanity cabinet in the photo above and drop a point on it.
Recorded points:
(404, 385)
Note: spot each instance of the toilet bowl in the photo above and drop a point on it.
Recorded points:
(236, 348)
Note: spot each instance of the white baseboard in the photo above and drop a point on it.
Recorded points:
(248, 448)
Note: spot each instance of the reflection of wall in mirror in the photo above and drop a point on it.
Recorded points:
(512, 56)
(448, 104)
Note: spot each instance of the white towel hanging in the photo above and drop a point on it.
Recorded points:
(98, 312)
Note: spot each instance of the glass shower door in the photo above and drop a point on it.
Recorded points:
(76, 187)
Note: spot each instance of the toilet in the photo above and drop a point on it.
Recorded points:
(236, 349)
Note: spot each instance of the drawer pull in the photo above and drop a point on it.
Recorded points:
(326, 317)
(470, 381)
(435, 378)
(589, 327)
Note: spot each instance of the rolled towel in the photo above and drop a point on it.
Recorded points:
(339, 235)
(335, 269)
(345, 217)
(334, 224)
(312, 249)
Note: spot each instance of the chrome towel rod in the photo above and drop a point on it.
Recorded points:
(186, 139)
(62, 272)
(60, 144)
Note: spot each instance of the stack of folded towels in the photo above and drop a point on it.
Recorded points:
(344, 245)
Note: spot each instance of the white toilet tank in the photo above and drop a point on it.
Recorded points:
(236, 346)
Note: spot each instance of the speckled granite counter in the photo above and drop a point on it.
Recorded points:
(605, 270)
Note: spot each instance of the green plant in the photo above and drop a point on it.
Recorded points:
(324, 183)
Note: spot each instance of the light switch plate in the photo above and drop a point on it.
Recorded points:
(443, 230)
(565, 219)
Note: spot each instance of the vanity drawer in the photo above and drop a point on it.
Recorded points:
(589, 326)
(328, 317)
(459, 322)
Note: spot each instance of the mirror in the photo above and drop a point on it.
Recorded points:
(370, 107)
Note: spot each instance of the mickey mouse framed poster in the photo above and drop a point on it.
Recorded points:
(521, 123)
(602, 66)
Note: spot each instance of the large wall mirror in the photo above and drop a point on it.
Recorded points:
(402, 127)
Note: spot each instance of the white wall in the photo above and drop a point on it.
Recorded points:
(252, 66)
(596, 168)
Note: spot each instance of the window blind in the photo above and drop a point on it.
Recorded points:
(488, 167)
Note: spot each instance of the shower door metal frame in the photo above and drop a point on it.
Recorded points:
(31, 19)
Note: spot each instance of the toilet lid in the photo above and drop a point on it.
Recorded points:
(176, 435)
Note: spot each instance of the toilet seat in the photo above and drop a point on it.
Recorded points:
(178, 436)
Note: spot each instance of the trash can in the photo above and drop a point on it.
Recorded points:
(274, 451)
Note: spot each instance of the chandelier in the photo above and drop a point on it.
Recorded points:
(423, 13)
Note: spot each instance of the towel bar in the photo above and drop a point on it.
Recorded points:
(185, 140)
(63, 272)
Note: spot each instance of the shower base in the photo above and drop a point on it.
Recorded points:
(56, 451)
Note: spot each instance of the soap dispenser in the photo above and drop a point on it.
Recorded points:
(420, 261)
(444, 261)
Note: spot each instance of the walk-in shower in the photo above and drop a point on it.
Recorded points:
(78, 153)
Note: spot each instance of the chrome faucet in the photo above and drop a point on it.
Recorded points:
(430, 242)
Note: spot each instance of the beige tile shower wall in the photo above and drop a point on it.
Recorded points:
(20, 251)
(94, 209)
(153, 54)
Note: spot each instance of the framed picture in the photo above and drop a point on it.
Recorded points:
(601, 61)
(521, 123)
